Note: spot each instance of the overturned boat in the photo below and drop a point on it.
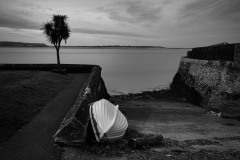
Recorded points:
(107, 120)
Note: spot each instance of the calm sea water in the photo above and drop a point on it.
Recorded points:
(124, 70)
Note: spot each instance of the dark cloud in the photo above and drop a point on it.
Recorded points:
(13, 16)
(18, 22)
(103, 32)
(133, 11)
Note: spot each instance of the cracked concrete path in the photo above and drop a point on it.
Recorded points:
(34, 141)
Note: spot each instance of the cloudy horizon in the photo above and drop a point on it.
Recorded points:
(168, 23)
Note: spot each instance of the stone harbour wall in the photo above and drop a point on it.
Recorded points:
(227, 52)
(211, 84)
(74, 127)
(237, 55)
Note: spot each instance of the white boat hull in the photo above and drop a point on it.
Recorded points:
(107, 121)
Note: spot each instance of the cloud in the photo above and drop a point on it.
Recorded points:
(140, 11)
(211, 10)
(143, 21)
(17, 14)
(104, 32)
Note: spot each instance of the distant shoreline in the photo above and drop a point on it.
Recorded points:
(95, 47)
(122, 47)
(22, 44)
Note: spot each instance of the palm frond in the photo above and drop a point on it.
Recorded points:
(57, 29)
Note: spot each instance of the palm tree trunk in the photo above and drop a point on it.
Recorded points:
(58, 59)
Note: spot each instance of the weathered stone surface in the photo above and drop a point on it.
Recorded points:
(237, 55)
(211, 84)
(73, 129)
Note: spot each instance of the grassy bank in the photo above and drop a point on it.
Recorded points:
(23, 94)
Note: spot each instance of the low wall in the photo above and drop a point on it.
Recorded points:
(73, 129)
(211, 84)
(71, 68)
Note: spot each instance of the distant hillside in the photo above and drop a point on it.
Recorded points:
(21, 44)
(115, 46)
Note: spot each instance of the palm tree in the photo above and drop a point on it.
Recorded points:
(55, 31)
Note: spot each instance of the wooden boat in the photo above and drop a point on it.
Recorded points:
(107, 120)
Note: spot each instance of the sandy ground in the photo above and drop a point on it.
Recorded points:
(188, 131)
(181, 121)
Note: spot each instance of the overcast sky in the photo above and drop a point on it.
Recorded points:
(169, 23)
